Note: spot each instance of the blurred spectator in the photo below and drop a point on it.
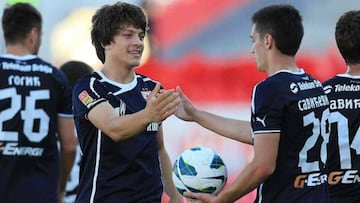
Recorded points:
(74, 70)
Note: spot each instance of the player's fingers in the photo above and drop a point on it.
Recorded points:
(192, 196)
(179, 90)
(153, 94)
(181, 94)
(169, 97)
(163, 94)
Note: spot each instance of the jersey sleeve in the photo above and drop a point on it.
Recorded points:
(87, 93)
(266, 110)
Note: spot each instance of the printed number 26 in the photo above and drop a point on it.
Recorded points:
(28, 115)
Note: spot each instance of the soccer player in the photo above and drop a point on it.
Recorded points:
(288, 119)
(344, 94)
(119, 114)
(35, 103)
(74, 70)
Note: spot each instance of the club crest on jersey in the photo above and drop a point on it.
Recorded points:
(85, 98)
(145, 94)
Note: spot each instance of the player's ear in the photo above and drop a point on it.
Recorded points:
(107, 46)
(268, 41)
(33, 35)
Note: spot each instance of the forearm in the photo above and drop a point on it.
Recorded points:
(250, 177)
(121, 127)
(227, 127)
(166, 168)
(124, 127)
(67, 159)
(118, 127)
(258, 170)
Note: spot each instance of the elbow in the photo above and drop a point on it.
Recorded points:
(116, 134)
(265, 170)
(69, 148)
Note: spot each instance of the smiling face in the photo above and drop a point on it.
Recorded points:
(258, 48)
(127, 47)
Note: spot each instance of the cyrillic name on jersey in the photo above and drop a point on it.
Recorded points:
(313, 102)
(28, 81)
(344, 104)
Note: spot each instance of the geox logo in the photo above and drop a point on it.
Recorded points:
(145, 93)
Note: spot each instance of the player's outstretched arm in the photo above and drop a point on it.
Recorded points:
(231, 128)
(256, 172)
(158, 108)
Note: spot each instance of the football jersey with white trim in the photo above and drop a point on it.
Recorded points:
(344, 143)
(295, 106)
(33, 94)
(125, 171)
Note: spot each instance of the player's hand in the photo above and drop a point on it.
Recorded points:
(185, 109)
(200, 197)
(177, 199)
(162, 104)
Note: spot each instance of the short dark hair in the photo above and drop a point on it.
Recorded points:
(74, 70)
(110, 18)
(347, 34)
(18, 20)
(284, 23)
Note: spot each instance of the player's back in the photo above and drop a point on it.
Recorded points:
(32, 95)
(344, 143)
(294, 105)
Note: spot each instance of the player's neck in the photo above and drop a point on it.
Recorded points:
(17, 50)
(282, 63)
(353, 69)
(120, 75)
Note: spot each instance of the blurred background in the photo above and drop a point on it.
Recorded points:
(202, 46)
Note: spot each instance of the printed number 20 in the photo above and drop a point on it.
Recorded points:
(28, 115)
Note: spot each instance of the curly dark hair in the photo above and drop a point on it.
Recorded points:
(110, 18)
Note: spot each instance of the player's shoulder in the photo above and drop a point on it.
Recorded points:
(342, 78)
(332, 80)
(144, 80)
(87, 80)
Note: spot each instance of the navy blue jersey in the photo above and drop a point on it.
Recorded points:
(124, 171)
(294, 105)
(344, 144)
(32, 96)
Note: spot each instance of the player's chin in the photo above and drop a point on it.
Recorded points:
(134, 62)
